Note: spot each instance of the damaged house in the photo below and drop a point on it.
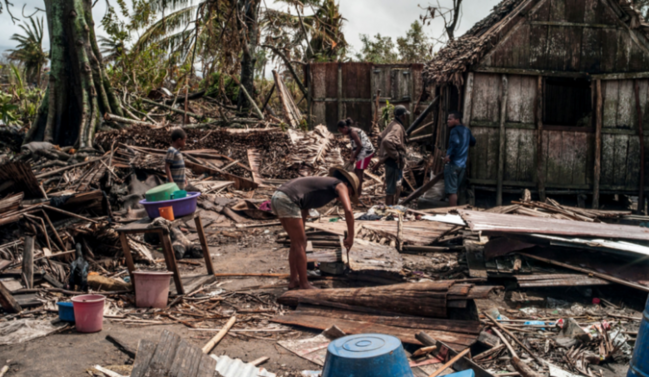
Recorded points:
(556, 93)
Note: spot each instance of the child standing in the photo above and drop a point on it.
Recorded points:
(174, 162)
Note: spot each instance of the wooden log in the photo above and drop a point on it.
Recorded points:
(217, 338)
(639, 115)
(260, 361)
(28, 261)
(522, 368)
(421, 299)
(7, 301)
(540, 157)
(502, 139)
(598, 144)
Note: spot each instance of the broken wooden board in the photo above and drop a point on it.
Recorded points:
(312, 349)
(516, 224)
(370, 256)
(11, 203)
(292, 114)
(558, 280)
(414, 232)
(172, 357)
(406, 335)
(20, 173)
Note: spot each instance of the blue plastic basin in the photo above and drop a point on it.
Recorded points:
(366, 355)
(66, 311)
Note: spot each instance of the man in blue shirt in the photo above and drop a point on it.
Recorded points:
(459, 142)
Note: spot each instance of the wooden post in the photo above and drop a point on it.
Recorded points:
(468, 100)
(206, 249)
(598, 144)
(171, 261)
(501, 144)
(642, 155)
(126, 249)
(340, 91)
(28, 261)
(538, 114)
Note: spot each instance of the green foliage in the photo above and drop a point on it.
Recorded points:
(29, 51)
(140, 71)
(387, 115)
(218, 81)
(8, 111)
(416, 47)
(379, 50)
(16, 79)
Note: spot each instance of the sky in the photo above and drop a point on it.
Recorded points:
(387, 17)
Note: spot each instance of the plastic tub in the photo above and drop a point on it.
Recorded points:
(88, 312)
(162, 192)
(66, 311)
(151, 288)
(182, 207)
(366, 355)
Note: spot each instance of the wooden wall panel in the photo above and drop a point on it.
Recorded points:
(633, 162)
(610, 90)
(486, 97)
(626, 109)
(479, 153)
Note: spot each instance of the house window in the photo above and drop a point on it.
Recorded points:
(567, 102)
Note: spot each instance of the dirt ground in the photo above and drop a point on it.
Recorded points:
(71, 354)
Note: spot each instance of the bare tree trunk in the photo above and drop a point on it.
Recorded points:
(250, 14)
(78, 92)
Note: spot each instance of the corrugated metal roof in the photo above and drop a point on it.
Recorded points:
(236, 368)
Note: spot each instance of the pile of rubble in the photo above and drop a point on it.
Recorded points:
(483, 298)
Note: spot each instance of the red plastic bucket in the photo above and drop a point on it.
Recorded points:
(151, 288)
(88, 312)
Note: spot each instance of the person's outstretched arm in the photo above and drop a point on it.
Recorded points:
(343, 197)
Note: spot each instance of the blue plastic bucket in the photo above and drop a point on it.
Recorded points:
(66, 311)
(640, 361)
(366, 355)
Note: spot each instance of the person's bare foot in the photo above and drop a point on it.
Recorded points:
(308, 286)
(294, 285)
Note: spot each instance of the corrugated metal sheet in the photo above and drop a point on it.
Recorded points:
(597, 244)
(499, 223)
(228, 367)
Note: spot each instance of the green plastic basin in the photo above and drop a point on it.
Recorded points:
(160, 193)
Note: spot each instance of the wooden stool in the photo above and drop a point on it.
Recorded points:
(144, 226)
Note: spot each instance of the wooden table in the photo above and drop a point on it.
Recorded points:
(144, 226)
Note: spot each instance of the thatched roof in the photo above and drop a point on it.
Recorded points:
(450, 63)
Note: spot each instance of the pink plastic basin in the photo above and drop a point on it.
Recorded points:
(88, 312)
(182, 207)
(151, 288)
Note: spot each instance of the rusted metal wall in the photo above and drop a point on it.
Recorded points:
(584, 36)
(568, 153)
(347, 90)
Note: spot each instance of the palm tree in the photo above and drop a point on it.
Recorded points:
(29, 50)
(321, 31)
(112, 48)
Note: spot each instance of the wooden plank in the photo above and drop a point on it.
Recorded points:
(526, 155)
(468, 100)
(579, 168)
(609, 41)
(540, 150)
(469, 328)
(361, 327)
(164, 355)
(611, 98)
(515, 99)
(28, 261)
(480, 97)
(206, 249)
(625, 117)
(145, 351)
(598, 143)
(186, 365)
(492, 154)
(479, 153)
(555, 157)
(620, 159)
(11, 203)
(7, 301)
(494, 222)
(502, 138)
(640, 144)
(624, 47)
(206, 367)
(512, 144)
